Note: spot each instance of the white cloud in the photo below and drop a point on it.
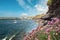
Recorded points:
(23, 4)
(43, 2)
(41, 9)
(30, 2)
(24, 14)
(38, 7)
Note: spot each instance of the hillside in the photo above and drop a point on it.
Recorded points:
(50, 29)
(38, 16)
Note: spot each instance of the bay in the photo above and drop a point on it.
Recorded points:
(15, 29)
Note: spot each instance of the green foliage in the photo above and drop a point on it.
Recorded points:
(42, 36)
(49, 2)
(52, 33)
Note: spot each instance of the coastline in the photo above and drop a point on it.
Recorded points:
(34, 31)
(44, 30)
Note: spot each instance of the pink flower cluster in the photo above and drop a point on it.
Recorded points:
(54, 20)
(54, 25)
(30, 35)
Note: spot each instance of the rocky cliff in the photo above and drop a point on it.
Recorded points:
(53, 9)
(50, 30)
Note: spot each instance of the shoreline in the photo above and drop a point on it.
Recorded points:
(34, 31)
(54, 24)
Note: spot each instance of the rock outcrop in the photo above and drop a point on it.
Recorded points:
(53, 9)
(50, 29)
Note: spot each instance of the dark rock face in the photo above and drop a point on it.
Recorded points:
(54, 8)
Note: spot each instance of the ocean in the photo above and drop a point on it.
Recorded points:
(16, 29)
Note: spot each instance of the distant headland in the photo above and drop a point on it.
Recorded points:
(9, 18)
(15, 18)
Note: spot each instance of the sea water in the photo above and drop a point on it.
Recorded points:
(15, 29)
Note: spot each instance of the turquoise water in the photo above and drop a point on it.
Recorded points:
(15, 29)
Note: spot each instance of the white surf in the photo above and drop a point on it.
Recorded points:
(12, 37)
(15, 21)
(4, 38)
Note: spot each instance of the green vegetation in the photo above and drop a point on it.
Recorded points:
(54, 36)
(50, 31)
(49, 2)
(42, 36)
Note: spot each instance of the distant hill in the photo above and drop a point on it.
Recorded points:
(9, 18)
(38, 16)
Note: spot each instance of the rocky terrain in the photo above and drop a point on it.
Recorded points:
(49, 25)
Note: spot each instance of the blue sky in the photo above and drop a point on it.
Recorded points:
(17, 8)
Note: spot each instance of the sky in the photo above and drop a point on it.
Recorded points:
(17, 8)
